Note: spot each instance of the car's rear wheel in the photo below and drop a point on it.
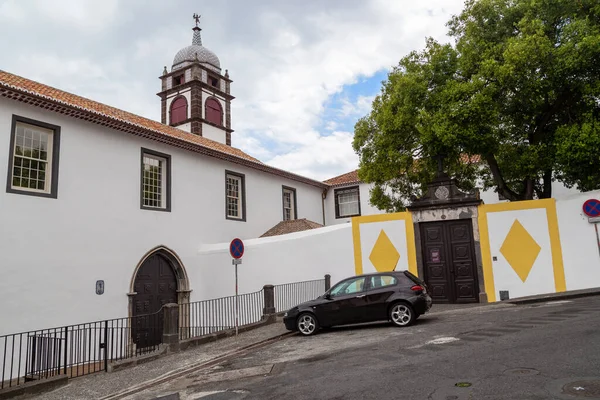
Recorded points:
(402, 314)
(307, 324)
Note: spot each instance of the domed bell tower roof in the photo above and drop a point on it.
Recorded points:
(196, 53)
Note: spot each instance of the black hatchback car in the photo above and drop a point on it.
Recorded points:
(397, 296)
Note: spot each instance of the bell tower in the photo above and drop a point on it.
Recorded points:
(195, 95)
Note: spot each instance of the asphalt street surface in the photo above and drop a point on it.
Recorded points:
(538, 351)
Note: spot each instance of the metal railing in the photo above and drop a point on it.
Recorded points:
(76, 350)
(290, 295)
(83, 349)
(211, 316)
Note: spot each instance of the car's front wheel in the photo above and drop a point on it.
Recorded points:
(307, 324)
(402, 314)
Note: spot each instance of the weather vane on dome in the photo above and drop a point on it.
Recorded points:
(197, 18)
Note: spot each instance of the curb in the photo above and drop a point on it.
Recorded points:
(485, 306)
(194, 367)
(553, 297)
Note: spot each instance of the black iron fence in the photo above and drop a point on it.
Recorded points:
(291, 294)
(83, 349)
(76, 350)
(211, 316)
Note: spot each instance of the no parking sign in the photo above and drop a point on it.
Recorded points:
(591, 208)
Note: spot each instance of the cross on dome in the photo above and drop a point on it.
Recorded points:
(196, 52)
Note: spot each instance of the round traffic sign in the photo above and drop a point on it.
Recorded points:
(591, 208)
(236, 248)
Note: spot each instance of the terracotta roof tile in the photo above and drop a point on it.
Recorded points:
(344, 179)
(49, 92)
(295, 225)
(351, 177)
(38, 94)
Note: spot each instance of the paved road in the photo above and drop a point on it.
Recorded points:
(518, 352)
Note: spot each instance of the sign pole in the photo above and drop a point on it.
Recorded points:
(236, 249)
(597, 237)
(237, 301)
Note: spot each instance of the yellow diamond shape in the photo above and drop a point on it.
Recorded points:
(520, 250)
(384, 255)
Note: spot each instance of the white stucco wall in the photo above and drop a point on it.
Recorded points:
(54, 250)
(213, 133)
(559, 191)
(276, 260)
(569, 254)
(365, 207)
(581, 256)
(541, 277)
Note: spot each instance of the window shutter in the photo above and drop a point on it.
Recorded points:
(178, 110)
(213, 111)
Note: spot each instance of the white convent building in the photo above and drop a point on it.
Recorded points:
(99, 196)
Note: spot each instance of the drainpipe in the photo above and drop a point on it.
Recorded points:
(323, 196)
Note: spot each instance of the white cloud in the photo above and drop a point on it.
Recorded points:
(359, 108)
(286, 59)
(85, 15)
(322, 158)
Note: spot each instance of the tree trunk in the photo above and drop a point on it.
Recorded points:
(499, 179)
(547, 193)
(528, 189)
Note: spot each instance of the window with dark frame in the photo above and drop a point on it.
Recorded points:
(235, 196)
(34, 158)
(213, 111)
(156, 181)
(179, 110)
(347, 202)
(178, 80)
(289, 203)
(213, 81)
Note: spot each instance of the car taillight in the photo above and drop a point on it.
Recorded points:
(417, 288)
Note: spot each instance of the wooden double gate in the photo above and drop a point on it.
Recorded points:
(449, 263)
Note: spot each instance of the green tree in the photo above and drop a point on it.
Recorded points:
(519, 90)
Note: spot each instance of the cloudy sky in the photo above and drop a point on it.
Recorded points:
(304, 70)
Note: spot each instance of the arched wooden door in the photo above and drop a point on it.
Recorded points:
(155, 285)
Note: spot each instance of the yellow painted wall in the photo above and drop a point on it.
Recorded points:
(384, 242)
(521, 248)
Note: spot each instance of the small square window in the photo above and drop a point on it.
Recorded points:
(213, 81)
(33, 160)
(235, 207)
(155, 181)
(178, 80)
(289, 203)
(347, 202)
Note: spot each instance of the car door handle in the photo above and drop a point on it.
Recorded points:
(362, 295)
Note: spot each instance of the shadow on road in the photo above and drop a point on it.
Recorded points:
(378, 325)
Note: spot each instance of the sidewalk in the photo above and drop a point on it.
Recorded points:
(571, 294)
(101, 385)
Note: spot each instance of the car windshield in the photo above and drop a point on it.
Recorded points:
(348, 287)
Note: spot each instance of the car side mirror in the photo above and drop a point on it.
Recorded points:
(327, 296)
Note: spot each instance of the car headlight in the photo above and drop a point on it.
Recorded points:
(291, 312)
